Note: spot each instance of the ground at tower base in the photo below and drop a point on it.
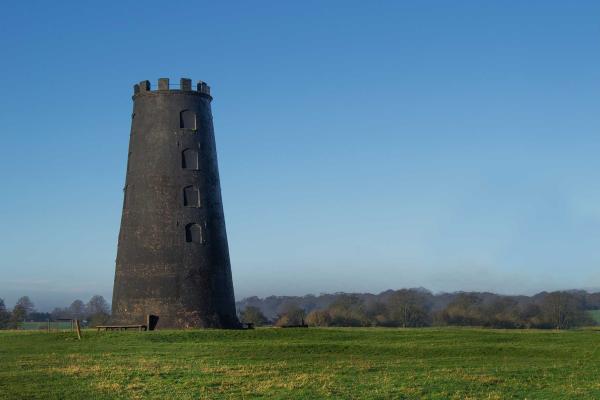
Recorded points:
(362, 363)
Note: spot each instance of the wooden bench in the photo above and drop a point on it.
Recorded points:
(121, 327)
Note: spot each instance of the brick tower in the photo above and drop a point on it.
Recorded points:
(172, 257)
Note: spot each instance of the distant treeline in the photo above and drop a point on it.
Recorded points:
(421, 308)
(95, 311)
(392, 308)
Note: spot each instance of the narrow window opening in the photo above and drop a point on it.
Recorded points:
(191, 196)
(187, 120)
(193, 233)
(189, 159)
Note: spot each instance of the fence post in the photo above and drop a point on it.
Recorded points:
(78, 329)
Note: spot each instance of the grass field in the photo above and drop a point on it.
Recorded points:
(302, 363)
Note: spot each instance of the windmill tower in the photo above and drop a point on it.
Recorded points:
(173, 257)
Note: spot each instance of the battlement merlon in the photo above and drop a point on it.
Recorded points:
(185, 85)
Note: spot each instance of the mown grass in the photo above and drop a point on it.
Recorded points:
(370, 363)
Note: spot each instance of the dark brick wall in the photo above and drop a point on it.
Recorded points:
(185, 283)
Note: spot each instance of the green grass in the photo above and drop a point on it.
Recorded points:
(368, 363)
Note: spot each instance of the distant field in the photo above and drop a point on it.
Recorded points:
(595, 315)
(37, 326)
(370, 363)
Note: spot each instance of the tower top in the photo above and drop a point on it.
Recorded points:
(185, 85)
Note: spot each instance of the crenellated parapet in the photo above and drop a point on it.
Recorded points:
(185, 85)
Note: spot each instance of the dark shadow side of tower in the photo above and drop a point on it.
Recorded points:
(173, 257)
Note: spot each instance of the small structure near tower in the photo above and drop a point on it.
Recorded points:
(173, 257)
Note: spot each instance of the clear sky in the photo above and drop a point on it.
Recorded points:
(362, 145)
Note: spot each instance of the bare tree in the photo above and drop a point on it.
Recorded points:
(318, 318)
(254, 316)
(26, 304)
(563, 310)
(97, 305)
(348, 310)
(290, 314)
(17, 317)
(59, 313)
(502, 312)
(77, 309)
(97, 310)
(409, 308)
(377, 312)
(4, 315)
(465, 309)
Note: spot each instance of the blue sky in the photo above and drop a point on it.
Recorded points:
(362, 147)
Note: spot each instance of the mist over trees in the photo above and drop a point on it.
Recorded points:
(290, 315)
(253, 315)
(420, 308)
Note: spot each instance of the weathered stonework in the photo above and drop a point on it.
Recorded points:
(173, 258)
